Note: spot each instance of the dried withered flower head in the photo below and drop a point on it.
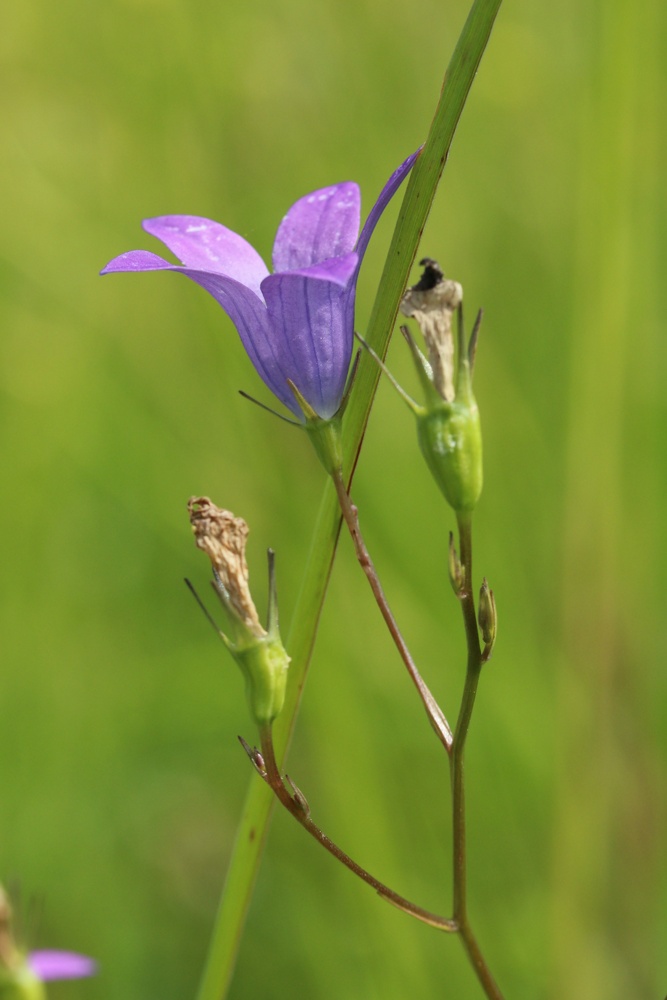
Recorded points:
(431, 302)
(223, 538)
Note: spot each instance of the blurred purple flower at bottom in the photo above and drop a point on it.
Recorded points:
(296, 324)
(48, 965)
(22, 975)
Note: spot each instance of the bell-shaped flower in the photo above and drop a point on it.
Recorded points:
(297, 324)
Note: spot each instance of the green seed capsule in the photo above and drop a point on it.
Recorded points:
(450, 438)
(264, 665)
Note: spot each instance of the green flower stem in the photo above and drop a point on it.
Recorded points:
(350, 515)
(417, 202)
(456, 761)
(296, 804)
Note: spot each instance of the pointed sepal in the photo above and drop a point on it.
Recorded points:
(408, 400)
(487, 618)
(457, 573)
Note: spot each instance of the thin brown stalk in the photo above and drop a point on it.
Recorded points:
(295, 803)
(351, 517)
(457, 769)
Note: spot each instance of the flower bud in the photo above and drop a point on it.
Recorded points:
(259, 653)
(487, 618)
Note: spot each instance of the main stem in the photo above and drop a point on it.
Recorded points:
(457, 770)
(351, 518)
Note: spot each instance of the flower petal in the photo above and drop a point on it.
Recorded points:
(337, 269)
(61, 965)
(318, 226)
(137, 260)
(208, 246)
(312, 339)
(386, 194)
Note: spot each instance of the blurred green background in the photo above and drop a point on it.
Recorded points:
(122, 779)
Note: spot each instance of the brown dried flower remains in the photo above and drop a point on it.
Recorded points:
(223, 538)
(431, 302)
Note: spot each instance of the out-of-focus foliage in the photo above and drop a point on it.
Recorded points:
(122, 779)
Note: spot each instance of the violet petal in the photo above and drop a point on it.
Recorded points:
(312, 338)
(61, 965)
(385, 196)
(209, 246)
(337, 269)
(319, 226)
(137, 260)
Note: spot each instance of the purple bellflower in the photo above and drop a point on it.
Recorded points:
(296, 324)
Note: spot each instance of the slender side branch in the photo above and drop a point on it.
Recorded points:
(295, 803)
(456, 763)
(351, 517)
